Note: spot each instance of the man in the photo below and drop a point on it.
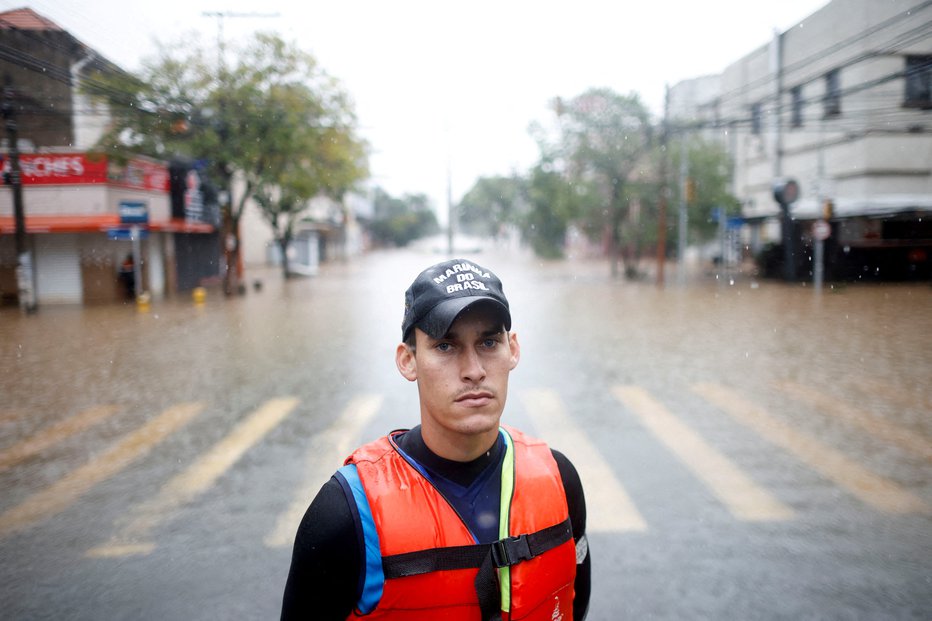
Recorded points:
(459, 517)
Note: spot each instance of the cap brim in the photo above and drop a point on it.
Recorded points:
(437, 322)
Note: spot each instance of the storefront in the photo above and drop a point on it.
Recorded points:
(83, 217)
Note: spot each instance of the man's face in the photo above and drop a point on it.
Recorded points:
(462, 378)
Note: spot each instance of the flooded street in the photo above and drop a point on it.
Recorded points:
(748, 450)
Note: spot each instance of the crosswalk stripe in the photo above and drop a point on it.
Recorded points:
(880, 493)
(325, 454)
(743, 498)
(61, 494)
(54, 434)
(609, 507)
(133, 537)
(7, 416)
(907, 440)
(920, 399)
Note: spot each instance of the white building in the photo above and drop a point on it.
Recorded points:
(841, 103)
(327, 231)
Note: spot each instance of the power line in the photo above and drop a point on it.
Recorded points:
(921, 32)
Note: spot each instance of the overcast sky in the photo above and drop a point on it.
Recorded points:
(444, 86)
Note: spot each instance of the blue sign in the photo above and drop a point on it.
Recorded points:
(133, 212)
(126, 234)
(734, 222)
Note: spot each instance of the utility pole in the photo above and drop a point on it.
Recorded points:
(221, 15)
(662, 202)
(788, 229)
(24, 278)
(683, 217)
(230, 243)
(451, 211)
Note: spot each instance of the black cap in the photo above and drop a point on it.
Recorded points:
(441, 292)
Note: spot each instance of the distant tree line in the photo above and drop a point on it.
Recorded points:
(268, 116)
(600, 171)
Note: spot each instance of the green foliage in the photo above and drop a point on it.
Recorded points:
(491, 204)
(550, 209)
(398, 221)
(272, 117)
(598, 141)
(709, 173)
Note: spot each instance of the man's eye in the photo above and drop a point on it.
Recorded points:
(444, 347)
(490, 343)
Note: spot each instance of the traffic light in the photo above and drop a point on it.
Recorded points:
(690, 190)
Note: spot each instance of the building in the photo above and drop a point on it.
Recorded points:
(328, 230)
(83, 211)
(842, 104)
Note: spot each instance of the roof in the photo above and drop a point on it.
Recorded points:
(26, 19)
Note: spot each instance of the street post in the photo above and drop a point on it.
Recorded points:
(786, 192)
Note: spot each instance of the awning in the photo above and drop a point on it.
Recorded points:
(99, 223)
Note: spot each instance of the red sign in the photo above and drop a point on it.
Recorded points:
(82, 169)
(141, 175)
(56, 168)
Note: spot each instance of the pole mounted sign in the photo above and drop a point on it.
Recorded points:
(786, 192)
(134, 212)
(821, 230)
(136, 215)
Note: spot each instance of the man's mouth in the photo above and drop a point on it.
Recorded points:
(474, 399)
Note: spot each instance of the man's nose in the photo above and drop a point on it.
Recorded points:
(472, 369)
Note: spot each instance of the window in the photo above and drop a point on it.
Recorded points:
(831, 103)
(918, 82)
(756, 119)
(798, 104)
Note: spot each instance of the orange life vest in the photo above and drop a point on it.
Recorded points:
(422, 562)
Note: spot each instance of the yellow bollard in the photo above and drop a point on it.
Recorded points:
(199, 295)
(142, 302)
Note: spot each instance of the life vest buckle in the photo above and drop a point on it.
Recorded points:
(511, 551)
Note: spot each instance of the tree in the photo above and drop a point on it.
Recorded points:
(398, 221)
(310, 146)
(232, 117)
(600, 139)
(491, 204)
(709, 173)
(550, 209)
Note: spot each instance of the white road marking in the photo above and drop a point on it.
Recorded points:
(905, 439)
(609, 507)
(61, 494)
(53, 434)
(880, 493)
(743, 498)
(134, 535)
(326, 453)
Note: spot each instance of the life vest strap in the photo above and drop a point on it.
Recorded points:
(485, 557)
(504, 553)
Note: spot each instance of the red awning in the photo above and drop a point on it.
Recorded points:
(100, 223)
(180, 225)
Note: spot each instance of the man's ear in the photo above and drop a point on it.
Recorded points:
(515, 349)
(406, 362)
